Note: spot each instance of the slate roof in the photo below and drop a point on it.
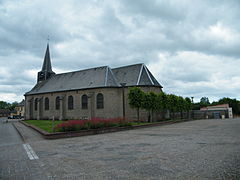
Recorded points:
(47, 66)
(22, 103)
(133, 75)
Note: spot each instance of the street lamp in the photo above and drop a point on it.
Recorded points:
(192, 109)
(123, 98)
(192, 99)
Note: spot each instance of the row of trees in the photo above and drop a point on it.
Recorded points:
(159, 102)
(6, 105)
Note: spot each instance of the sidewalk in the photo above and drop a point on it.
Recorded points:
(27, 134)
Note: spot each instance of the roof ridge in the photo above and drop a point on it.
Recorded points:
(106, 76)
(113, 75)
(139, 75)
(83, 70)
(128, 65)
(145, 68)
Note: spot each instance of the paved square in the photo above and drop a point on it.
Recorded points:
(202, 149)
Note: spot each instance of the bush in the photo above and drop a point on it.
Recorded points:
(94, 123)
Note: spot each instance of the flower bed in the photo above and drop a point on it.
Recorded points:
(94, 123)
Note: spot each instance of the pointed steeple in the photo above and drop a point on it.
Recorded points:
(46, 71)
(47, 61)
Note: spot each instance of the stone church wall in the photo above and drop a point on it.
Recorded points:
(113, 105)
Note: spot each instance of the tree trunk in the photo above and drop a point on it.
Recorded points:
(149, 116)
(138, 114)
(163, 115)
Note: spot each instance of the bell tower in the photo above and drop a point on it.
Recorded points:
(46, 71)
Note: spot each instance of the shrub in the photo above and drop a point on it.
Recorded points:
(94, 123)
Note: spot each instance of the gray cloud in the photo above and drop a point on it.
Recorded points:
(191, 47)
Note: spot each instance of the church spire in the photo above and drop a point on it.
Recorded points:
(47, 61)
(46, 71)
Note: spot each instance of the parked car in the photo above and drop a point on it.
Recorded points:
(15, 117)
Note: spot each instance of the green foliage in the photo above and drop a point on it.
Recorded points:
(151, 101)
(4, 105)
(43, 124)
(234, 103)
(13, 105)
(172, 102)
(204, 101)
(135, 97)
(162, 101)
(188, 103)
(9, 106)
(181, 105)
(196, 106)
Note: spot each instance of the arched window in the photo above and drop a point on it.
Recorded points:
(100, 101)
(57, 103)
(70, 102)
(46, 103)
(84, 101)
(36, 104)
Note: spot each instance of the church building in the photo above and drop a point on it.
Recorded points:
(96, 92)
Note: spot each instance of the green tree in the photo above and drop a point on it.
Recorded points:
(9, 106)
(150, 104)
(13, 105)
(135, 97)
(4, 105)
(161, 102)
(188, 105)
(196, 106)
(204, 101)
(172, 103)
(181, 105)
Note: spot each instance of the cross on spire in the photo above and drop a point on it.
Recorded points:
(48, 39)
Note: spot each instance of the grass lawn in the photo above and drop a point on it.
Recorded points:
(44, 124)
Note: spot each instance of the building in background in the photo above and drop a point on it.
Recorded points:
(20, 108)
(4, 112)
(19, 111)
(218, 111)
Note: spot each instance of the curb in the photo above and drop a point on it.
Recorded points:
(20, 134)
(58, 135)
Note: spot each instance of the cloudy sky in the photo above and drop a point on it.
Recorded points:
(192, 47)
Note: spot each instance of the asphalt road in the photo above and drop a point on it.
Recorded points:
(14, 161)
(202, 149)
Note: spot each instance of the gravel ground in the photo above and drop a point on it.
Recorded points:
(202, 149)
